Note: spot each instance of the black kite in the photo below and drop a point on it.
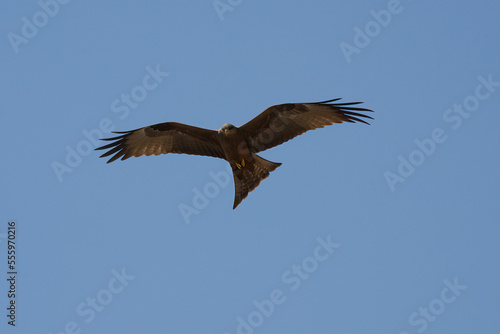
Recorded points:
(238, 145)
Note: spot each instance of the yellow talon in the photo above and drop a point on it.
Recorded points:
(241, 165)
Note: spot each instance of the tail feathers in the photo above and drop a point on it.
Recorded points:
(266, 164)
(248, 177)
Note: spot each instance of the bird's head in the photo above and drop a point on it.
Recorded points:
(226, 128)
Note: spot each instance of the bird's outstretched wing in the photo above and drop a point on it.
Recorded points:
(163, 138)
(282, 122)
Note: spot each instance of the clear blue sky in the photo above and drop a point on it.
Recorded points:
(387, 228)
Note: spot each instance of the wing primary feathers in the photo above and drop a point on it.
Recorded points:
(115, 147)
(115, 138)
(343, 105)
(112, 151)
(112, 138)
(116, 156)
(352, 108)
(349, 103)
(349, 111)
(351, 114)
(351, 119)
(332, 101)
(113, 144)
(118, 149)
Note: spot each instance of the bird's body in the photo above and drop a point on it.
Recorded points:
(229, 139)
(238, 145)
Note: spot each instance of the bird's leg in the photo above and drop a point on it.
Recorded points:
(241, 165)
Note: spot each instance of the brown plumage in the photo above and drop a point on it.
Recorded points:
(274, 126)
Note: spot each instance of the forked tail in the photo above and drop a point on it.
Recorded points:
(248, 177)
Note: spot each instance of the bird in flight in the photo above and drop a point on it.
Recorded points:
(237, 145)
